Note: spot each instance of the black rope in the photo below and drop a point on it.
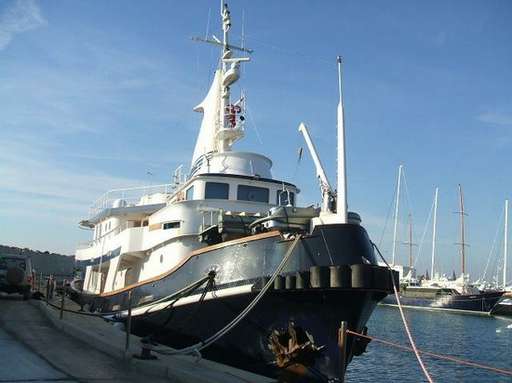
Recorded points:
(113, 315)
(210, 282)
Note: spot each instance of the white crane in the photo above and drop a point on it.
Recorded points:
(325, 186)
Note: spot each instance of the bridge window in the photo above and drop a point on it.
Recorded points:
(171, 225)
(252, 193)
(216, 190)
(189, 195)
(283, 196)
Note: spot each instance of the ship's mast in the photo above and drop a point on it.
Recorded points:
(410, 244)
(462, 232)
(434, 228)
(505, 246)
(397, 209)
(223, 122)
(226, 55)
(341, 199)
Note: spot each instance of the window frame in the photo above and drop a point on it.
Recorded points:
(247, 191)
(171, 225)
(190, 190)
(224, 184)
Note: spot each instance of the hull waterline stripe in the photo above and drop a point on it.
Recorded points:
(148, 309)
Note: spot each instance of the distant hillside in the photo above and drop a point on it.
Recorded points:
(44, 262)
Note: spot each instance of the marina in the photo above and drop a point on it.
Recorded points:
(209, 248)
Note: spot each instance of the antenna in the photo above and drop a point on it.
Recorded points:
(341, 200)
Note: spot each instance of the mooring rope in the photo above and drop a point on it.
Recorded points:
(113, 315)
(438, 356)
(406, 326)
(219, 334)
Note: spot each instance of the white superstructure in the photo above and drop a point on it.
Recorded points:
(140, 233)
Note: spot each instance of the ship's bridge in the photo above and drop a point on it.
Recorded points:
(235, 163)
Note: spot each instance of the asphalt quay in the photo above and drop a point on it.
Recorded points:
(36, 345)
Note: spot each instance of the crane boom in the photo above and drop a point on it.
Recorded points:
(325, 186)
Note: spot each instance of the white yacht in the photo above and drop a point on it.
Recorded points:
(228, 235)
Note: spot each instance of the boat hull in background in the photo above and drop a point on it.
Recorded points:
(503, 307)
(471, 304)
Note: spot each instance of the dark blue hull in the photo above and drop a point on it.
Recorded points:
(319, 312)
(476, 303)
(347, 287)
(503, 307)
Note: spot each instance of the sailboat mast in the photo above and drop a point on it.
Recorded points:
(434, 228)
(505, 246)
(397, 207)
(462, 233)
(410, 241)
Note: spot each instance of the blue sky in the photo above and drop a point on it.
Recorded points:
(93, 94)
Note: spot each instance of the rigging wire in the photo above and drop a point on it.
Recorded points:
(249, 114)
(290, 52)
(387, 218)
(493, 247)
(422, 240)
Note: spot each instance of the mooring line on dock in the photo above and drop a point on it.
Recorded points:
(431, 354)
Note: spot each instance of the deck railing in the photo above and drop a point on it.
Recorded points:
(129, 196)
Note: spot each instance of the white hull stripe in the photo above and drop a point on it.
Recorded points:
(151, 308)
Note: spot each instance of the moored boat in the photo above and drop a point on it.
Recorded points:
(439, 292)
(230, 241)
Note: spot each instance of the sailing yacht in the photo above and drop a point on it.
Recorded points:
(439, 292)
(504, 305)
(231, 241)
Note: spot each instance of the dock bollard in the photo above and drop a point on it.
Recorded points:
(319, 276)
(61, 314)
(290, 282)
(302, 279)
(145, 352)
(342, 345)
(279, 282)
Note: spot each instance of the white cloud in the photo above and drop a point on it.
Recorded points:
(496, 118)
(18, 17)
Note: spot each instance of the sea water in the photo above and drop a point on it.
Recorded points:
(482, 339)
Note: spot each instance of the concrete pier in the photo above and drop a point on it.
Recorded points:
(35, 345)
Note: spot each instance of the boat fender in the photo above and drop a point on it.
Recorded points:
(340, 276)
(381, 278)
(319, 276)
(290, 282)
(302, 280)
(260, 283)
(361, 276)
(279, 282)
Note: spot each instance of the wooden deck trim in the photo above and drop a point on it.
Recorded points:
(194, 253)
